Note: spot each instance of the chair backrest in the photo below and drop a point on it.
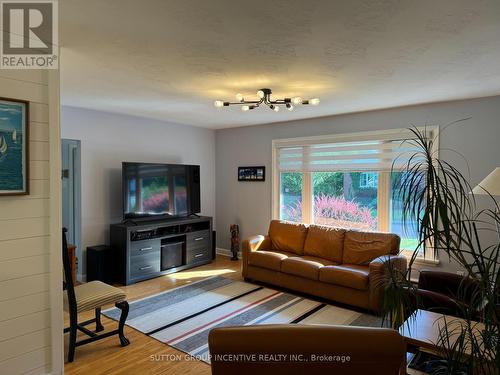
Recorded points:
(460, 288)
(68, 276)
(293, 349)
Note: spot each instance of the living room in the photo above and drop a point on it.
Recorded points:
(276, 187)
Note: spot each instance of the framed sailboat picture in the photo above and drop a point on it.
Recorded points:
(14, 144)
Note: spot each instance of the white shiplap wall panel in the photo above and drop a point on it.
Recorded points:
(39, 170)
(25, 253)
(46, 369)
(38, 189)
(27, 361)
(34, 76)
(23, 228)
(18, 208)
(39, 151)
(24, 305)
(24, 325)
(30, 342)
(39, 131)
(23, 248)
(39, 112)
(24, 267)
(24, 90)
(24, 286)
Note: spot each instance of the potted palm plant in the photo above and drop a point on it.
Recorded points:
(439, 199)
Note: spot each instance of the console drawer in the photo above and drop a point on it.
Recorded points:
(198, 239)
(144, 265)
(198, 255)
(140, 248)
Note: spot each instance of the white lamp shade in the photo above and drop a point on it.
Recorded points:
(491, 184)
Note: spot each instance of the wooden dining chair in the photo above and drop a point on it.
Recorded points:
(89, 296)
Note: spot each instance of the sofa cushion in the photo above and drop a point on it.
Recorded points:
(305, 266)
(325, 242)
(286, 236)
(348, 275)
(363, 247)
(268, 259)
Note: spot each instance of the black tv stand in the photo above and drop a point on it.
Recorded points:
(146, 249)
(129, 221)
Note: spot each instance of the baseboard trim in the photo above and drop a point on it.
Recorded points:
(225, 252)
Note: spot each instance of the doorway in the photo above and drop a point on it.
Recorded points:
(71, 195)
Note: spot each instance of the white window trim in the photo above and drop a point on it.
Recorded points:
(384, 177)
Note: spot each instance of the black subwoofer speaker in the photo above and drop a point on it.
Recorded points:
(171, 254)
(99, 263)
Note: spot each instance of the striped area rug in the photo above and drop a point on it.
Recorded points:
(183, 317)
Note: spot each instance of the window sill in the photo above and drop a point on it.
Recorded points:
(424, 261)
(420, 259)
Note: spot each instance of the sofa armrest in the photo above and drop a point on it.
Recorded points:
(252, 244)
(379, 269)
(255, 243)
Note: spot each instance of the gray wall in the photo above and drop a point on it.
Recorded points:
(249, 203)
(107, 140)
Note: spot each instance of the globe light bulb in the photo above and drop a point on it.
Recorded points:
(245, 108)
(276, 108)
(219, 103)
(314, 101)
(260, 94)
(297, 100)
(239, 97)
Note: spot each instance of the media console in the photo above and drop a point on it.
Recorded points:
(144, 250)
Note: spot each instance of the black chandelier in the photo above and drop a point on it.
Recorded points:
(265, 98)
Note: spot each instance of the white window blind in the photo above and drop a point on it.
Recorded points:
(380, 153)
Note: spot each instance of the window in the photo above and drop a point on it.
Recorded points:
(291, 196)
(339, 200)
(368, 180)
(406, 230)
(344, 181)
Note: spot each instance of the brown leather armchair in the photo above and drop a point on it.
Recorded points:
(445, 292)
(296, 349)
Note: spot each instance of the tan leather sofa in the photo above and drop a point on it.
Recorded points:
(296, 349)
(340, 265)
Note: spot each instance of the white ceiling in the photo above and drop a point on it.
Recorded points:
(169, 60)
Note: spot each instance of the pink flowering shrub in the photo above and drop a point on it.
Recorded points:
(156, 203)
(336, 211)
(293, 212)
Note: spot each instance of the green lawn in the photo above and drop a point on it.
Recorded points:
(409, 243)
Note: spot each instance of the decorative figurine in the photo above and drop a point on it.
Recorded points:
(235, 240)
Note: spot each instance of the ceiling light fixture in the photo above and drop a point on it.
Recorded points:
(265, 98)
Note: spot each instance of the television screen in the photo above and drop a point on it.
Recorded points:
(160, 189)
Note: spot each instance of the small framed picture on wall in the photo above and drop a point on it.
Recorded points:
(251, 173)
(14, 147)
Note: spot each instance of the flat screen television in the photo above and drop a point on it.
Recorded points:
(152, 190)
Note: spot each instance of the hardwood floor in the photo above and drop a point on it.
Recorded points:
(145, 355)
